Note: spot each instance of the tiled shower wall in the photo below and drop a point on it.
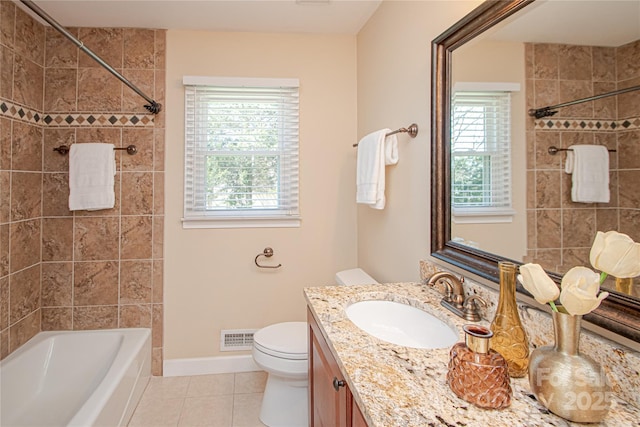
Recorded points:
(64, 270)
(560, 231)
(21, 80)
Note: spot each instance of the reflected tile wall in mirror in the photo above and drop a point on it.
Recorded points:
(561, 231)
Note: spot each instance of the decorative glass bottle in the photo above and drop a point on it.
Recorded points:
(625, 285)
(568, 383)
(477, 373)
(509, 337)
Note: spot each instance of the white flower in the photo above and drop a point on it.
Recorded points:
(580, 287)
(535, 280)
(615, 254)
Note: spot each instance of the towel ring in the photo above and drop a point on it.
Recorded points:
(267, 252)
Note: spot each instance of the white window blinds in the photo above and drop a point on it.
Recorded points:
(241, 152)
(481, 150)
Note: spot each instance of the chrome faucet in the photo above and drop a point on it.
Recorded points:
(454, 299)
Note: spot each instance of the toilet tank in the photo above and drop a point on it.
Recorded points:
(354, 276)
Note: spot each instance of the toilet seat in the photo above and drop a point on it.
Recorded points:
(286, 340)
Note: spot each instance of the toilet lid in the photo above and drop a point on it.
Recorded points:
(287, 340)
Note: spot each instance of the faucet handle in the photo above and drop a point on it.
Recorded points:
(448, 291)
(471, 312)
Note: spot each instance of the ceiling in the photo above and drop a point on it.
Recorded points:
(588, 22)
(293, 16)
(579, 22)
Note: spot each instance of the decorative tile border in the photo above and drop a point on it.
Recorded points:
(18, 112)
(98, 119)
(589, 125)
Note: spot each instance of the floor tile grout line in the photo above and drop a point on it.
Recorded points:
(180, 412)
(233, 399)
(186, 392)
(161, 384)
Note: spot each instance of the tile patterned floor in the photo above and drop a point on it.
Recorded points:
(221, 400)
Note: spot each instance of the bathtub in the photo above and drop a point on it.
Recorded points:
(75, 378)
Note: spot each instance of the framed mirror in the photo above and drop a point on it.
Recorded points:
(620, 312)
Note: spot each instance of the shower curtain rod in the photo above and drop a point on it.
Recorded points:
(539, 113)
(153, 106)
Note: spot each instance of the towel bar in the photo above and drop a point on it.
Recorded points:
(131, 149)
(412, 130)
(553, 150)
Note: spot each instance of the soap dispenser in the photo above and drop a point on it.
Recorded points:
(477, 373)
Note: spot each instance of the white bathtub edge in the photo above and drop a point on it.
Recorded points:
(111, 399)
(209, 365)
(142, 381)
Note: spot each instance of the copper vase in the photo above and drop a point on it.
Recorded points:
(509, 337)
(569, 384)
(477, 373)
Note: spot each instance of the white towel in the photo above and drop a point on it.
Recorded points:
(374, 152)
(91, 170)
(589, 165)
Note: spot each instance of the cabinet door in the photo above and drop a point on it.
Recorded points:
(328, 393)
(357, 419)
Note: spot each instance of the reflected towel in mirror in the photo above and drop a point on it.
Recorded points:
(589, 165)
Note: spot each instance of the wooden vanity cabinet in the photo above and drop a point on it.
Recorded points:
(357, 419)
(330, 400)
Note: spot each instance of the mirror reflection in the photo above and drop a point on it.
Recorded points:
(511, 195)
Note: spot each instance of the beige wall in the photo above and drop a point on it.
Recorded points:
(489, 61)
(211, 282)
(394, 80)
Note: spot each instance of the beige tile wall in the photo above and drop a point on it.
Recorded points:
(560, 232)
(627, 60)
(91, 270)
(21, 82)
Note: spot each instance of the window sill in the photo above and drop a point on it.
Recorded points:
(482, 216)
(240, 223)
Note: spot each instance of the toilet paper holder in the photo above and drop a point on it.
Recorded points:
(267, 252)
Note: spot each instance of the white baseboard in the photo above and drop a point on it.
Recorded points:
(209, 365)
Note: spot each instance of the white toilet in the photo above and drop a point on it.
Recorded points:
(282, 351)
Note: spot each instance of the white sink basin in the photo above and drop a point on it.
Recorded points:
(401, 324)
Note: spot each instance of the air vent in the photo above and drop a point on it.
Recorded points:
(236, 339)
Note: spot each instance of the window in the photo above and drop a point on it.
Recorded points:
(241, 152)
(481, 154)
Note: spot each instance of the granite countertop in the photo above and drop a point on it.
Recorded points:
(401, 386)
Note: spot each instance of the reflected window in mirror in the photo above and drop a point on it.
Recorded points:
(481, 155)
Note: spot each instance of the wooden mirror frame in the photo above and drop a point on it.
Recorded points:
(618, 313)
